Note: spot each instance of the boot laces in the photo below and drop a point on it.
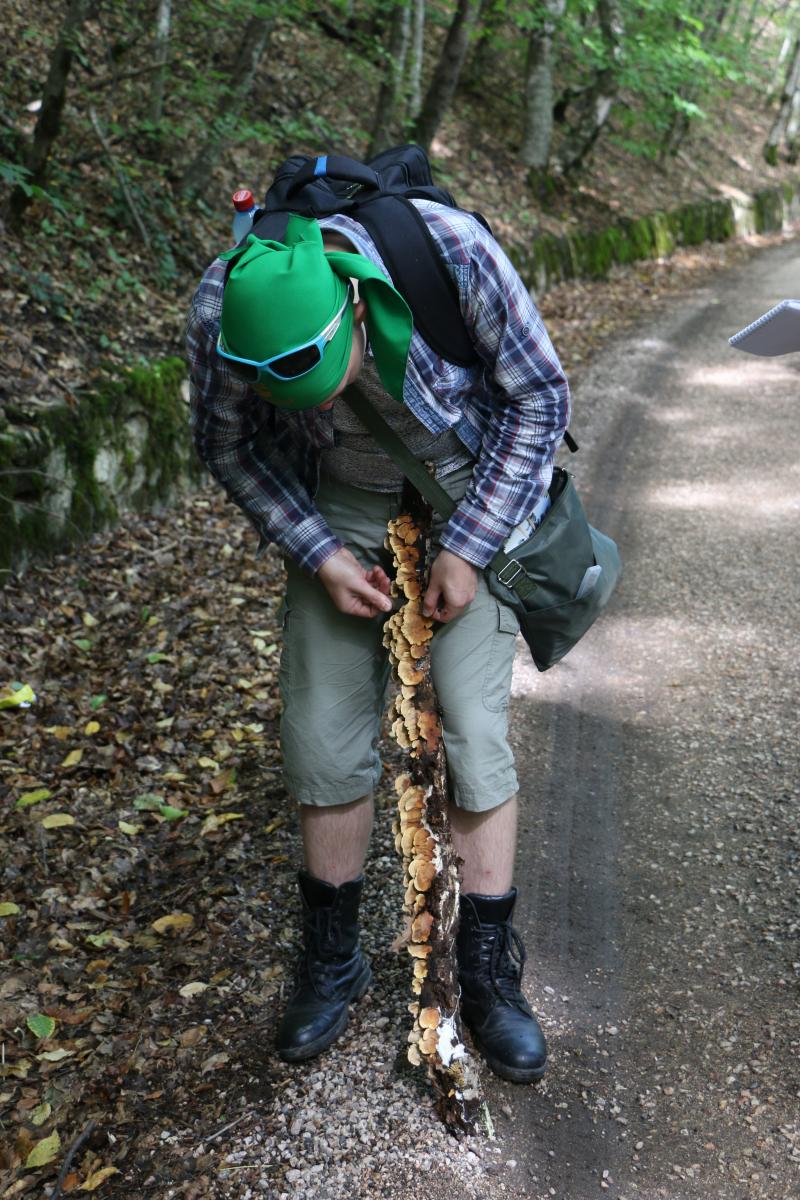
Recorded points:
(507, 957)
(320, 961)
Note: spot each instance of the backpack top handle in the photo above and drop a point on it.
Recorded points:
(334, 166)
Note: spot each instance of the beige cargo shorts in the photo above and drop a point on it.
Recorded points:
(334, 674)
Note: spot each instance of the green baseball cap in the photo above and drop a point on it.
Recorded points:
(280, 297)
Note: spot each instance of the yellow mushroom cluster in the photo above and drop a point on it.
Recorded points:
(419, 848)
(424, 1037)
(407, 635)
(418, 730)
(434, 1040)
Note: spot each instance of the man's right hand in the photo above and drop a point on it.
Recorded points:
(352, 589)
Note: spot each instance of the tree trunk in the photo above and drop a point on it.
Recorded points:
(596, 101)
(251, 48)
(713, 14)
(747, 37)
(792, 127)
(779, 133)
(538, 130)
(487, 63)
(448, 69)
(48, 123)
(779, 76)
(163, 20)
(391, 90)
(422, 833)
(416, 59)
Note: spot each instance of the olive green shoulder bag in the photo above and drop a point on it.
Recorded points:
(558, 581)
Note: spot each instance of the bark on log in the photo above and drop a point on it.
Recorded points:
(422, 836)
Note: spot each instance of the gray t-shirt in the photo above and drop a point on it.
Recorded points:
(357, 459)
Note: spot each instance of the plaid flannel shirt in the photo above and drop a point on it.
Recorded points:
(510, 410)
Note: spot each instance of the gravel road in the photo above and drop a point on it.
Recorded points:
(658, 858)
(659, 863)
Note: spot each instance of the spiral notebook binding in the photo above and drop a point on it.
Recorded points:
(762, 320)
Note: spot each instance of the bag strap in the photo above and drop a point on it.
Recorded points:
(398, 451)
(509, 571)
(417, 269)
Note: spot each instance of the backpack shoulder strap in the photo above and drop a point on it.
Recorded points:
(417, 269)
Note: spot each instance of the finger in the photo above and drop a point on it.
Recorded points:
(360, 608)
(379, 579)
(374, 599)
(433, 600)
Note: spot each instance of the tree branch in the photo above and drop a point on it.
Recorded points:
(120, 174)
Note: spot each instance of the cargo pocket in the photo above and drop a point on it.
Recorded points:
(283, 659)
(497, 677)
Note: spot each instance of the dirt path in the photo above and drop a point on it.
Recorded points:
(659, 867)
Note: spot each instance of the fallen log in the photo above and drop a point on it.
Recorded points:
(422, 835)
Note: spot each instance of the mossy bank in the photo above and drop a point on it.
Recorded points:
(551, 259)
(68, 469)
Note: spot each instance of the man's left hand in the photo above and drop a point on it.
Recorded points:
(453, 584)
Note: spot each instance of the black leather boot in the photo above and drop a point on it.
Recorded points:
(331, 972)
(491, 958)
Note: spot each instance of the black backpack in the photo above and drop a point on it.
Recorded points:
(378, 195)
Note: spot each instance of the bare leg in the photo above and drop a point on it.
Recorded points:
(335, 839)
(487, 842)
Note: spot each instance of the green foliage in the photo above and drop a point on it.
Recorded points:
(115, 214)
(667, 61)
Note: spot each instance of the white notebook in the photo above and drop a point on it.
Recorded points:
(777, 332)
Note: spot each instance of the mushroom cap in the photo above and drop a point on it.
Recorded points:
(408, 672)
(429, 1018)
(421, 926)
(422, 872)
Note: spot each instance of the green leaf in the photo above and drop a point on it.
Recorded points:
(83, 643)
(147, 802)
(41, 1026)
(172, 814)
(45, 1151)
(7, 909)
(28, 798)
(97, 701)
(107, 938)
(157, 657)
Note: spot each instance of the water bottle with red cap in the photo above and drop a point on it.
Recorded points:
(245, 209)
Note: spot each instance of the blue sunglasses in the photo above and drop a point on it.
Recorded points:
(291, 364)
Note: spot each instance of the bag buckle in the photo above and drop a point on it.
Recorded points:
(512, 563)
